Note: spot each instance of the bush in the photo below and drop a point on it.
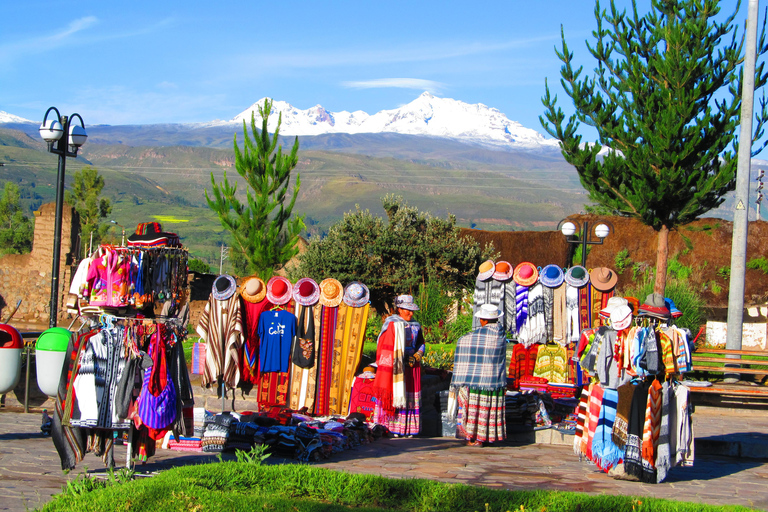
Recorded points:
(199, 266)
(759, 264)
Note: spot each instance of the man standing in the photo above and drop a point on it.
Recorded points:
(480, 379)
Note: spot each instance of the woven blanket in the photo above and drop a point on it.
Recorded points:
(350, 358)
(480, 359)
(606, 454)
(582, 416)
(663, 452)
(593, 416)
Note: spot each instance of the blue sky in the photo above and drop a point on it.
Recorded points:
(170, 61)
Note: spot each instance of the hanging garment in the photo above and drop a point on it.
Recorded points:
(157, 400)
(560, 316)
(303, 353)
(552, 364)
(69, 440)
(572, 322)
(487, 292)
(277, 330)
(633, 460)
(663, 451)
(534, 328)
(179, 374)
(523, 362)
(604, 452)
(221, 327)
(251, 342)
(521, 307)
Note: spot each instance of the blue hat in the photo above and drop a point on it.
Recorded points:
(552, 276)
(676, 313)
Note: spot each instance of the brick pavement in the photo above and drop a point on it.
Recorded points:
(30, 474)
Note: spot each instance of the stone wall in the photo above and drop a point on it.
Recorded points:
(27, 277)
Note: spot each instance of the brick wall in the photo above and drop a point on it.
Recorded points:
(28, 276)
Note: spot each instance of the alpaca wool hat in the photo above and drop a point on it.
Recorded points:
(552, 276)
(253, 290)
(279, 290)
(356, 295)
(603, 279)
(621, 317)
(503, 271)
(654, 307)
(306, 291)
(223, 287)
(577, 276)
(676, 313)
(331, 292)
(489, 312)
(486, 270)
(406, 302)
(526, 274)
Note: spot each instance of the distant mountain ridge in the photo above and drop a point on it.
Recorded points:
(427, 115)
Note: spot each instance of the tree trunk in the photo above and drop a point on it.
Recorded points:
(662, 254)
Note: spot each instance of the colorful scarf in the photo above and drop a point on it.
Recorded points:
(572, 322)
(560, 317)
(480, 359)
(510, 307)
(582, 416)
(663, 455)
(548, 295)
(521, 307)
(595, 401)
(666, 352)
(398, 369)
(606, 454)
(624, 407)
(633, 461)
(585, 307)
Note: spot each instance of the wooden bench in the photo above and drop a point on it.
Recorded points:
(741, 365)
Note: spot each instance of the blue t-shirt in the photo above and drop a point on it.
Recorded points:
(276, 332)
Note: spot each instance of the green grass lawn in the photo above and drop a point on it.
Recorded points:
(231, 486)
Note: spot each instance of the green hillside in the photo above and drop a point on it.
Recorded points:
(167, 183)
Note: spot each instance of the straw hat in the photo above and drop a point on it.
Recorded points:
(253, 290)
(486, 270)
(552, 276)
(526, 274)
(356, 295)
(279, 290)
(306, 291)
(503, 271)
(223, 287)
(331, 292)
(603, 278)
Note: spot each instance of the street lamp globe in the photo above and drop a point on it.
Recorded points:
(602, 231)
(51, 130)
(568, 228)
(77, 135)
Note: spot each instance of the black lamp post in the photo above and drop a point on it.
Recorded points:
(570, 227)
(122, 241)
(52, 131)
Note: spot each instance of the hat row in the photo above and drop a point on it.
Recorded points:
(279, 291)
(551, 276)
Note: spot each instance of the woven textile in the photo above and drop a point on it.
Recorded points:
(560, 316)
(303, 381)
(585, 307)
(331, 317)
(534, 329)
(633, 461)
(487, 292)
(521, 307)
(522, 363)
(510, 307)
(652, 425)
(482, 415)
(404, 421)
(663, 454)
(548, 295)
(69, 441)
(351, 353)
(572, 322)
(480, 359)
(624, 406)
(581, 418)
(273, 389)
(683, 427)
(593, 416)
(605, 453)
(221, 327)
(666, 352)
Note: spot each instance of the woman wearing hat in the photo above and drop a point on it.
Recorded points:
(398, 374)
(480, 379)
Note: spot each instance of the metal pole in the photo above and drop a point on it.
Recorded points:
(740, 217)
(26, 383)
(62, 146)
(584, 233)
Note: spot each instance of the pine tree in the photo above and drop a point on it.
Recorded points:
(262, 229)
(91, 208)
(665, 99)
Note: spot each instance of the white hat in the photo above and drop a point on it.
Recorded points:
(489, 312)
(621, 317)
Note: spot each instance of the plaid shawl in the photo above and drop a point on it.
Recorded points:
(480, 359)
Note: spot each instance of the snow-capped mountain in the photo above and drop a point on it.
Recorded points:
(5, 117)
(427, 115)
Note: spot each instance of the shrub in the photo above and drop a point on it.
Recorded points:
(199, 266)
(622, 261)
(759, 264)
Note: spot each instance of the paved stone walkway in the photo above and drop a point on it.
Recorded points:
(30, 474)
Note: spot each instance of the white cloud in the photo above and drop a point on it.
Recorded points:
(15, 50)
(166, 85)
(398, 83)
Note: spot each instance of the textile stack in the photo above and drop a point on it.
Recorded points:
(125, 376)
(286, 434)
(298, 345)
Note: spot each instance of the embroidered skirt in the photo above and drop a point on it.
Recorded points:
(405, 421)
(482, 415)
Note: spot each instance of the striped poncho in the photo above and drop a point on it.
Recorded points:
(221, 327)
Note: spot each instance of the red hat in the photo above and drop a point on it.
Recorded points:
(526, 274)
(279, 291)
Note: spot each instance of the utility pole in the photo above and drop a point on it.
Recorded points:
(741, 214)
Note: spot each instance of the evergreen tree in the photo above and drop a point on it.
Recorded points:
(16, 230)
(665, 100)
(394, 256)
(262, 229)
(91, 208)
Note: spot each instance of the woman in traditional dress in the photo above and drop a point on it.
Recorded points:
(398, 374)
(480, 379)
